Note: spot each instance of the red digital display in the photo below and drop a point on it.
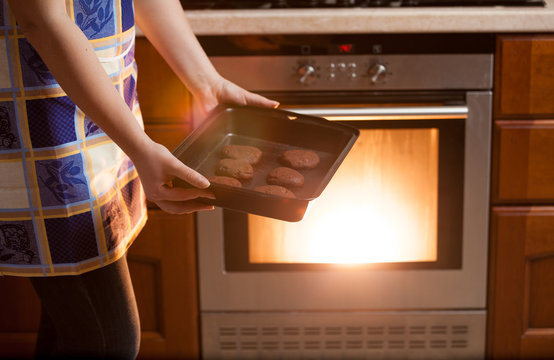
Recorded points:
(345, 48)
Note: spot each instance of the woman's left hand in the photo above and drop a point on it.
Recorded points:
(223, 91)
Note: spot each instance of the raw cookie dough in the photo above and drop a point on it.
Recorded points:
(300, 159)
(225, 180)
(243, 152)
(284, 176)
(239, 169)
(275, 190)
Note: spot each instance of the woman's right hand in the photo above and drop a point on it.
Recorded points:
(157, 168)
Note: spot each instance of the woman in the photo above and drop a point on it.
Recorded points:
(76, 159)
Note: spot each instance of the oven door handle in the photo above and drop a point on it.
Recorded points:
(384, 113)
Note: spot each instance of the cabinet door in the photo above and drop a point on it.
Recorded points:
(523, 167)
(19, 318)
(521, 298)
(525, 76)
(163, 97)
(163, 268)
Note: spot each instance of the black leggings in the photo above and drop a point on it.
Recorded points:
(93, 315)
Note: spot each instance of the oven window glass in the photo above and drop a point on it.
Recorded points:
(381, 206)
(395, 202)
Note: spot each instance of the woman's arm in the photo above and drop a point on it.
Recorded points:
(166, 26)
(71, 59)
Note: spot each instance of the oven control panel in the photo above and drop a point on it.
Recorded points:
(341, 71)
(337, 71)
(358, 72)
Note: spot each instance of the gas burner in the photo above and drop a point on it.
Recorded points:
(435, 3)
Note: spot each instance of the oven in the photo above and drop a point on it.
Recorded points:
(391, 260)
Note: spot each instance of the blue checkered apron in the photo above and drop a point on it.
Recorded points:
(70, 199)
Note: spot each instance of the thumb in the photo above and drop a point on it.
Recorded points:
(260, 101)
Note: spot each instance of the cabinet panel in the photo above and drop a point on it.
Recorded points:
(163, 268)
(525, 76)
(19, 318)
(521, 319)
(168, 134)
(161, 94)
(523, 169)
(541, 291)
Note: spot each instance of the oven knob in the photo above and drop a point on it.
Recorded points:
(306, 73)
(377, 72)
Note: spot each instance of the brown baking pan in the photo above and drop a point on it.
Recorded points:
(273, 132)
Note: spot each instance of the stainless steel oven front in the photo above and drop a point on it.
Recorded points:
(391, 260)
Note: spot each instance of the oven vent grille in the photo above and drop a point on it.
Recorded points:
(259, 338)
(354, 339)
(343, 331)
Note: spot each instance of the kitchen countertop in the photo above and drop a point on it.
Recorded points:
(374, 20)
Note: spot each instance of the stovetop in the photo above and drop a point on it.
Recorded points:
(283, 4)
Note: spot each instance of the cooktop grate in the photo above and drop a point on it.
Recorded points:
(283, 4)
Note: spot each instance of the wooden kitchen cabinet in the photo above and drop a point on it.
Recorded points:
(521, 307)
(521, 267)
(524, 76)
(524, 166)
(163, 268)
(19, 318)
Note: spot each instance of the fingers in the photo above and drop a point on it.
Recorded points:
(260, 101)
(166, 193)
(183, 201)
(183, 207)
(192, 177)
(241, 96)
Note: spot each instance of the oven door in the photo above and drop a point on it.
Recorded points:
(402, 225)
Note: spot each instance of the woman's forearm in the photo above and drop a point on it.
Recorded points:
(71, 59)
(166, 26)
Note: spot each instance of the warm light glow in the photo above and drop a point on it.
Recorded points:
(381, 206)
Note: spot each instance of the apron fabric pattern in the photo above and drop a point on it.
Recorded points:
(70, 199)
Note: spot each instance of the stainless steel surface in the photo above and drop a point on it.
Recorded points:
(238, 309)
(306, 74)
(384, 113)
(377, 71)
(401, 72)
(369, 290)
(404, 335)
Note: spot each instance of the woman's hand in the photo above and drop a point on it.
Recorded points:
(168, 30)
(223, 91)
(157, 168)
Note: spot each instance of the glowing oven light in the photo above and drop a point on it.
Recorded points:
(351, 244)
(380, 207)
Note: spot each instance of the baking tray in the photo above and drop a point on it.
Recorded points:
(272, 131)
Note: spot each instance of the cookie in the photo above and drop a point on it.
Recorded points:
(225, 180)
(275, 190)
(243, 152)
(300, 159)
(284, 176)
(238, 169)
